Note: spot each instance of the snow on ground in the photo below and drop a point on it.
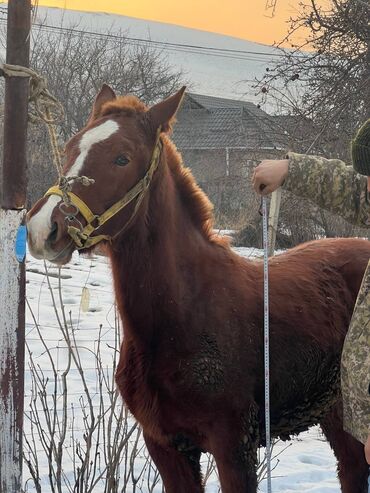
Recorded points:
(306, 464)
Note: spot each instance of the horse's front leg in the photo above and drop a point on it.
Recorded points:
(237, 468)
(234, 447)
(178, 466)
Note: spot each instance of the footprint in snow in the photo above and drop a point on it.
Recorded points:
(70, 301)
(310, 459)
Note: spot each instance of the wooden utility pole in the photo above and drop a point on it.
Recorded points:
(12, 271)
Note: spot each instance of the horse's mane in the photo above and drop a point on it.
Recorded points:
(125, 105)
(194, 199)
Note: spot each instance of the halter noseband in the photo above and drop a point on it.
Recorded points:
(82, 236)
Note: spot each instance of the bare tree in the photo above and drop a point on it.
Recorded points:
(325, 96)
(76, 63)
(86, 443)
(330, 84)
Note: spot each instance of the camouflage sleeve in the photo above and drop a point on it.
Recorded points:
(330, 184)
(355, 368)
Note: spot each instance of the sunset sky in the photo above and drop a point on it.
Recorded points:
(247, 19)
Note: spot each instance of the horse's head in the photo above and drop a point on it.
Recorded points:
(118, 151)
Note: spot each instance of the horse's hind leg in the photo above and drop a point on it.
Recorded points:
(352, 467)
(180, 470)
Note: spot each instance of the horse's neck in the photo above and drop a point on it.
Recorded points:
(151, 264)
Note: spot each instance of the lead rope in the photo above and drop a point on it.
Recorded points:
(266, 340)
(48, 109)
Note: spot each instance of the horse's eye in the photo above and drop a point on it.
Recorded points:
(121, 160)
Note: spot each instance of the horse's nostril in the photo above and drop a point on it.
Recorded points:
(53, 233)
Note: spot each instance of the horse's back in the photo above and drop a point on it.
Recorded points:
(349, 256)
(314, 286)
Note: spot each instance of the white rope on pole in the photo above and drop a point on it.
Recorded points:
(266, 340)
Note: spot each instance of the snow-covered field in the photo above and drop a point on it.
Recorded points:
(304, 465)
(228, 75)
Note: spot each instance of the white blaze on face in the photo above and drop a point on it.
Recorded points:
(40, 224)
(89, 138)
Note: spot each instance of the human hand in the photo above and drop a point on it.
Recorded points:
(269, 175)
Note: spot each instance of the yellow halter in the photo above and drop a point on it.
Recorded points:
(82, 237)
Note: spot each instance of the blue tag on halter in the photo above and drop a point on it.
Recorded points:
(20, 243)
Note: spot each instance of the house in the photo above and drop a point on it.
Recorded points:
(222, 140)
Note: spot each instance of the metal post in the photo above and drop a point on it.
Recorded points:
(266, 338)
(227, 161)
(12, 272)
(274, 219)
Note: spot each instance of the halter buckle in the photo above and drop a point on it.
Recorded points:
(63, 207)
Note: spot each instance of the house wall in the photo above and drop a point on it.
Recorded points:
(228, 182)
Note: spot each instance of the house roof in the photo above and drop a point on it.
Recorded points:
(212, 102)
(214, 123)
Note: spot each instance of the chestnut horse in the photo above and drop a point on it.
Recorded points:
(191, 362)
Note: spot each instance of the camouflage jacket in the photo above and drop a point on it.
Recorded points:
(332, 185)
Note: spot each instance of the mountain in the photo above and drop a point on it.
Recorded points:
(211, 70)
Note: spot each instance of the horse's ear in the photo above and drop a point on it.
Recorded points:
(162, 113)
(105, 95)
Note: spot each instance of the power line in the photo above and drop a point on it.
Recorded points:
(245, 55)
(162, 44)
(200, 50)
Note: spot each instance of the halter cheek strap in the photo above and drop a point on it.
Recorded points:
(82, 236)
